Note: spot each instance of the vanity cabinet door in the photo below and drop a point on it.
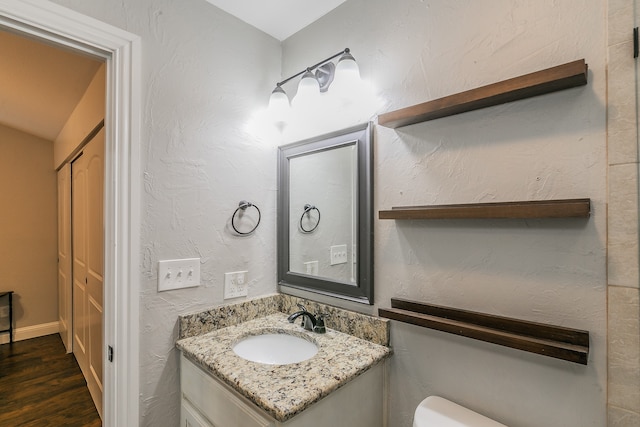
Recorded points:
(219, 404)
(189, 417)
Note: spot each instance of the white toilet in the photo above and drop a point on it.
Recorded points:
(435, 411)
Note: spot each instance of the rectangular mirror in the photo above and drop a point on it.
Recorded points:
(325, 215)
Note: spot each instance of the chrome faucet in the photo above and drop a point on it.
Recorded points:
(309, 321)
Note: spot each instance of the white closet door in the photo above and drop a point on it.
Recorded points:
(64, 256)
(88, 263)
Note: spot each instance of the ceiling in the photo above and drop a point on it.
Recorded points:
(40, 85)
(278, 18)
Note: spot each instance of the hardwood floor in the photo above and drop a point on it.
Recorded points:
(41, 385)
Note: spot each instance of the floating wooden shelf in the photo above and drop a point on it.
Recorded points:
(548, 340)
(552, 79)
(570, 208)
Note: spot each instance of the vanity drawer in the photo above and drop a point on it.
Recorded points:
(219, 404)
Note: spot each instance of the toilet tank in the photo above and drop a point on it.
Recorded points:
(435, 411)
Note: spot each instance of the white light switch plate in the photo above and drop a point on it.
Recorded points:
(236, 284)
(178, 274)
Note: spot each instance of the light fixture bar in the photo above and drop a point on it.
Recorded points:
(313, 67)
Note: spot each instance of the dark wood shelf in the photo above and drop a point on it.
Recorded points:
(548, 340)
(569, 208)
(550, 80)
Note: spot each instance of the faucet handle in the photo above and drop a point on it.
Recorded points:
(320, 327)
(301, 307)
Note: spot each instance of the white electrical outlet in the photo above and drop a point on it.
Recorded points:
(311, 268)
(338, 254)
(178, 274)
(236, 284)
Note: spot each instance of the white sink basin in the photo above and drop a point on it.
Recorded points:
(275, 348)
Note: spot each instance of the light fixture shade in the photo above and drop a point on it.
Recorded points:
(308, 90)
(346, 83)
(347, 67)
(279, 108)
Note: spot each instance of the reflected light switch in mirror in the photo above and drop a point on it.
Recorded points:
(338, 254)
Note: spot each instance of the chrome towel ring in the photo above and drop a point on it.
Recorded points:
(242, 206)
(308, 208)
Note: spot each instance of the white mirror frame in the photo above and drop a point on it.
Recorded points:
(61, 26)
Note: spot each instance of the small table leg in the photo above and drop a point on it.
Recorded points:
(10, 317)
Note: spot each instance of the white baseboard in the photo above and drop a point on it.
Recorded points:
(29, 332)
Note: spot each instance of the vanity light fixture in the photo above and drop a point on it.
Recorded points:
(315, 80)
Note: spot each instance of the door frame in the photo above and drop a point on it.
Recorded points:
(55, 24)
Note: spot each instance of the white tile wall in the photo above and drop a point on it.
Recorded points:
(623, 334)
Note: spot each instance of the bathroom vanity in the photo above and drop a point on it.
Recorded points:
(207, 401)
(342, 384)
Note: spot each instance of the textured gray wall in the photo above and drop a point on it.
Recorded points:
(548, 147)
(204, 73)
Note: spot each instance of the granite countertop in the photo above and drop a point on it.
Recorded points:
(283, 390)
